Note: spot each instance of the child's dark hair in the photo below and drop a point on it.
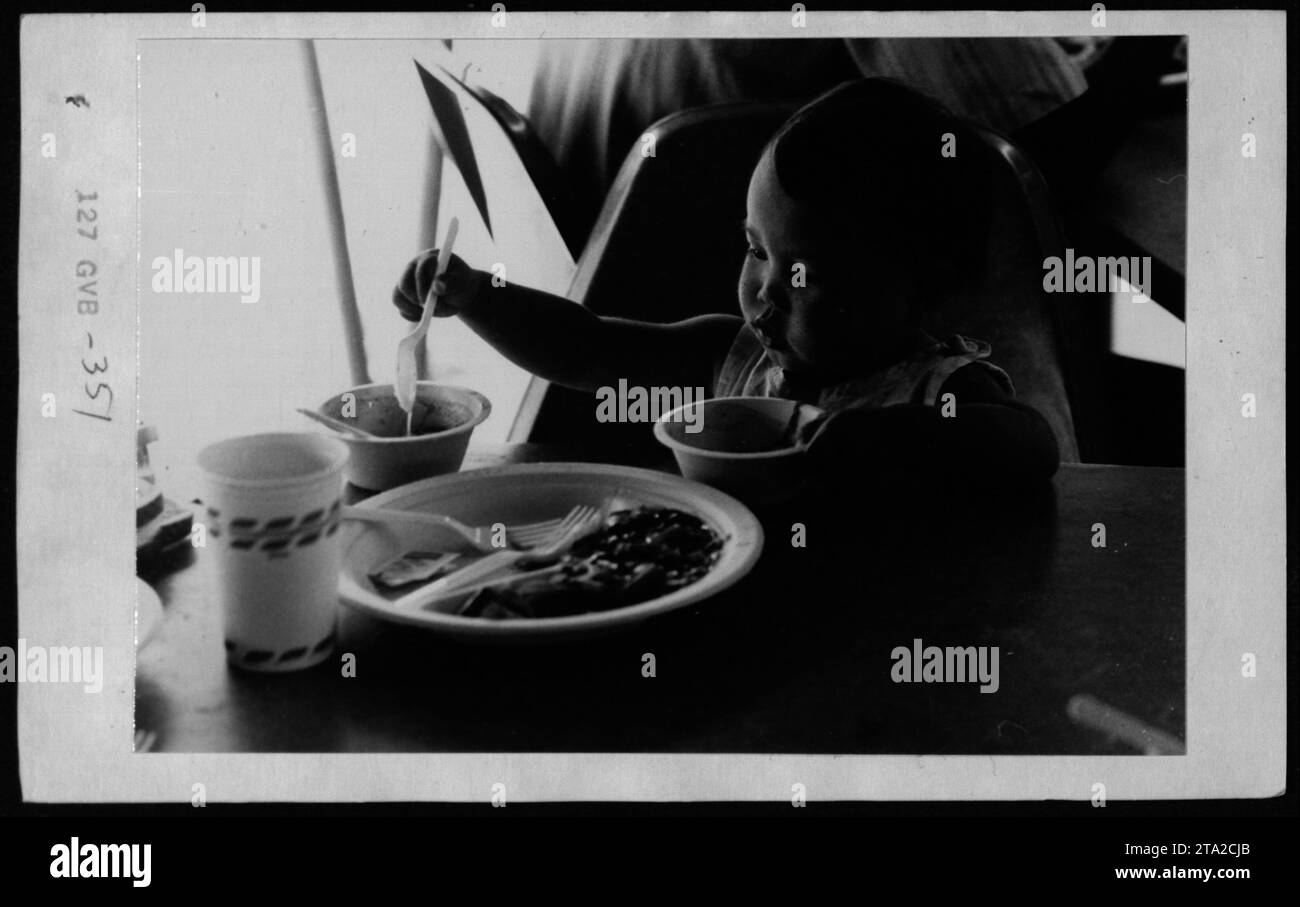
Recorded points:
(868, 158)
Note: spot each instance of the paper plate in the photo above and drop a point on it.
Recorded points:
(527, 493)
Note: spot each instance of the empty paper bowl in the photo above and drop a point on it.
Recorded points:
(744, 446)
(445, 419)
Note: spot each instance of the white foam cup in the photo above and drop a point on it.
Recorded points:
(272, 509)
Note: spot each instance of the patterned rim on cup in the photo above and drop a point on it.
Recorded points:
(248, 657)
(274, 537)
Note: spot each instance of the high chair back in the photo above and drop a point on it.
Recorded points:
(672, 220)
(1007, 305)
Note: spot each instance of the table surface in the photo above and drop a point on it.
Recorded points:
(794, 659)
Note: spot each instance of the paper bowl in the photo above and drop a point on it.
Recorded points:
(739, 445)
(437, 446)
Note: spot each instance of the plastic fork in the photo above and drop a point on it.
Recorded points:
(579, 521)
(527, 535)
(404, 383)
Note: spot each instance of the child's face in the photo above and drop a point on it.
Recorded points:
(847, 318)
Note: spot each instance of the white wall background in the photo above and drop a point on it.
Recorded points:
(229, 166)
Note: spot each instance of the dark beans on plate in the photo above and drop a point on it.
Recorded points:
(638, 555)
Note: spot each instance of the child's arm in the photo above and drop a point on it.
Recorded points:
(991, 439)
(563, 342)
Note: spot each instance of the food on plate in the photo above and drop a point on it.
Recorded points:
(413, 567)
(638, 555)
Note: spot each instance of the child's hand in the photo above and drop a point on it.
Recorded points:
(457, 289)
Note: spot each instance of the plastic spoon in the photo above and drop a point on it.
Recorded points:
(404, 386)
(337, 425)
